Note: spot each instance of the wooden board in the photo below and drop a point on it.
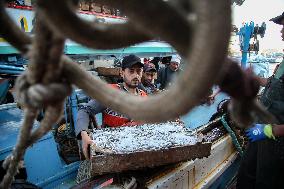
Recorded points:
(102, 71)
(145, 146)
(110, 163)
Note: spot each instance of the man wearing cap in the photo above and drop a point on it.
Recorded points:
(166, 74)
(263, 163)
(148, 78)
(132, 70)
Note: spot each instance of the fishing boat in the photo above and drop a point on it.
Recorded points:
(51, 161)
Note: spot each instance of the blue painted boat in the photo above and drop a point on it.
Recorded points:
(45, 167)
(4, 87)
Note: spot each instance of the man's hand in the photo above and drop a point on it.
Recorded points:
(260, 132)
(86, 142)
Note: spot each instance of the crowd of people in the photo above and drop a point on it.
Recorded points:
(139, 79)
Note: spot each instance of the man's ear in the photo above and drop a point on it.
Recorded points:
(122, 72)
(156, 76)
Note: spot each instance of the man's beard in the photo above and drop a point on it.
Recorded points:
(148, 82)
(133, 83)
(173, 69)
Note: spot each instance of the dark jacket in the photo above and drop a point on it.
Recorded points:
(165, 77)
(273, 95)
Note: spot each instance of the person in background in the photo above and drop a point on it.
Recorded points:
(156, 61)
(148, 78)
(262, 166)
(167, 73)
(146, 60)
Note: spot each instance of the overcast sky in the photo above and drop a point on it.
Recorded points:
(261, 11)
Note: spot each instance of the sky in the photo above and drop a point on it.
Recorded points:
(260, 11)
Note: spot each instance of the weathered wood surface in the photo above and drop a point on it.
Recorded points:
(109, 163)
(102, 71)
(118, 161)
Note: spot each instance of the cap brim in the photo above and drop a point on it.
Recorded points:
(140, 63)
(278, 19)
(151, 69)
(176, 62)
(135, 63)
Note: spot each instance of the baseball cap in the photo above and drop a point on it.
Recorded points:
(278, 19)
(176, 59)
(149, 67)
(166, 59)
(130, 60)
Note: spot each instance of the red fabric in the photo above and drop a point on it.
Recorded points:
(118, 121)
(143, 93)
(114, 121)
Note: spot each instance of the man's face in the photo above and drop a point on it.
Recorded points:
(132, 76)
(174, 66)
(149, 76)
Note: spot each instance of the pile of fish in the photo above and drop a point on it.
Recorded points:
(144, 137)
(214, 134)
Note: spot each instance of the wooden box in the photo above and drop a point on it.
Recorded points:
(146, 146)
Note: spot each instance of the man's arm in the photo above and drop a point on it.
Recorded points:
(92, 108)
(278, 130)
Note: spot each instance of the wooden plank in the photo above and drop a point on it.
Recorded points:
(102, 71)
(145, 146)
(109, 163)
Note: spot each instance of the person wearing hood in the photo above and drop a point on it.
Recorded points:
(167, 73)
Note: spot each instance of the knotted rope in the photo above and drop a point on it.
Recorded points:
(243, 87)
(41, 86)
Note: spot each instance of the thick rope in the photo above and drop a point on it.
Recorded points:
(51, 116)
(243, 87)
(95, 35)
(144, 110)
(63, 18)
(168, 17)
(153, 108)
(12, 162)
(33, 91)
